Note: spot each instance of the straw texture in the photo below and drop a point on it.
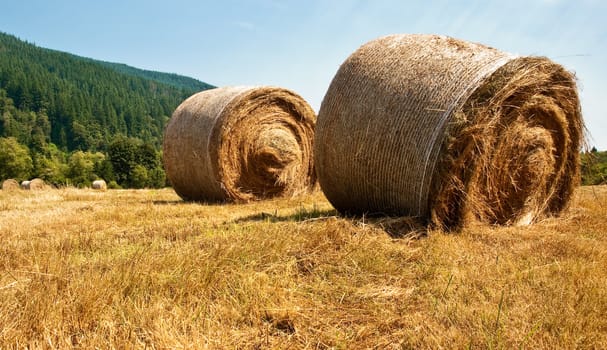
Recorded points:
(240, 144)
(10, 185)
(448, 131)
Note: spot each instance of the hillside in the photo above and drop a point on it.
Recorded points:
(171, 79)
(71, 119)
(143, 269)
(86, 102)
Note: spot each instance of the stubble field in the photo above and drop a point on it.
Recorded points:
(142, 269)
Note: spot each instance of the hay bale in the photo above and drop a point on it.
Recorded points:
(449, 131)
(10, 185)
(34, 185)
(37, 185)
(240, 144)
(99, 185)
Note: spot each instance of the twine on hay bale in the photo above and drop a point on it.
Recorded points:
(240, 144)
(10, 185)
(449, 131)
(99, 185)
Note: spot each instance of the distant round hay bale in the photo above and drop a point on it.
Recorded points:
(240, 144)
(99, 185)
(34, 185)
(10, 185)
(450, 132)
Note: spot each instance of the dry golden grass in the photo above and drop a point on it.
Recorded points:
(137, 269)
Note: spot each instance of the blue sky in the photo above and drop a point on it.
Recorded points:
(300, 44)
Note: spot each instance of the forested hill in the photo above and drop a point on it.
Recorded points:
(80, 103)
(174, 80)
(54, 104)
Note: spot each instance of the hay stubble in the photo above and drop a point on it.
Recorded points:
(126, 268)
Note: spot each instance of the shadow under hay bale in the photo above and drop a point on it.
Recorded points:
(240, 144)
(449, 131)
(10, 185)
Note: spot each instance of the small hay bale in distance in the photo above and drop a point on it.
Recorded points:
(10, 185)
(99, 185)
(240, 144)
(450, 132)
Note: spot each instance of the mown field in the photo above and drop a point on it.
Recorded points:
(142, 269)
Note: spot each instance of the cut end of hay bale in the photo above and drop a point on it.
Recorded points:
(240, 144)
(10, 185)
(525, 123)
(448, 131)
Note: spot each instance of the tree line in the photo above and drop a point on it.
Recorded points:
(594, 167)
(127, 163)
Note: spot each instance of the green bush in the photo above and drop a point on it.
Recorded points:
(594, 167)
(15, 160)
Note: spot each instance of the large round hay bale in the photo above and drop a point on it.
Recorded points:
(240, 144)
(449, 131)
(99, 185)
(10, 185)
